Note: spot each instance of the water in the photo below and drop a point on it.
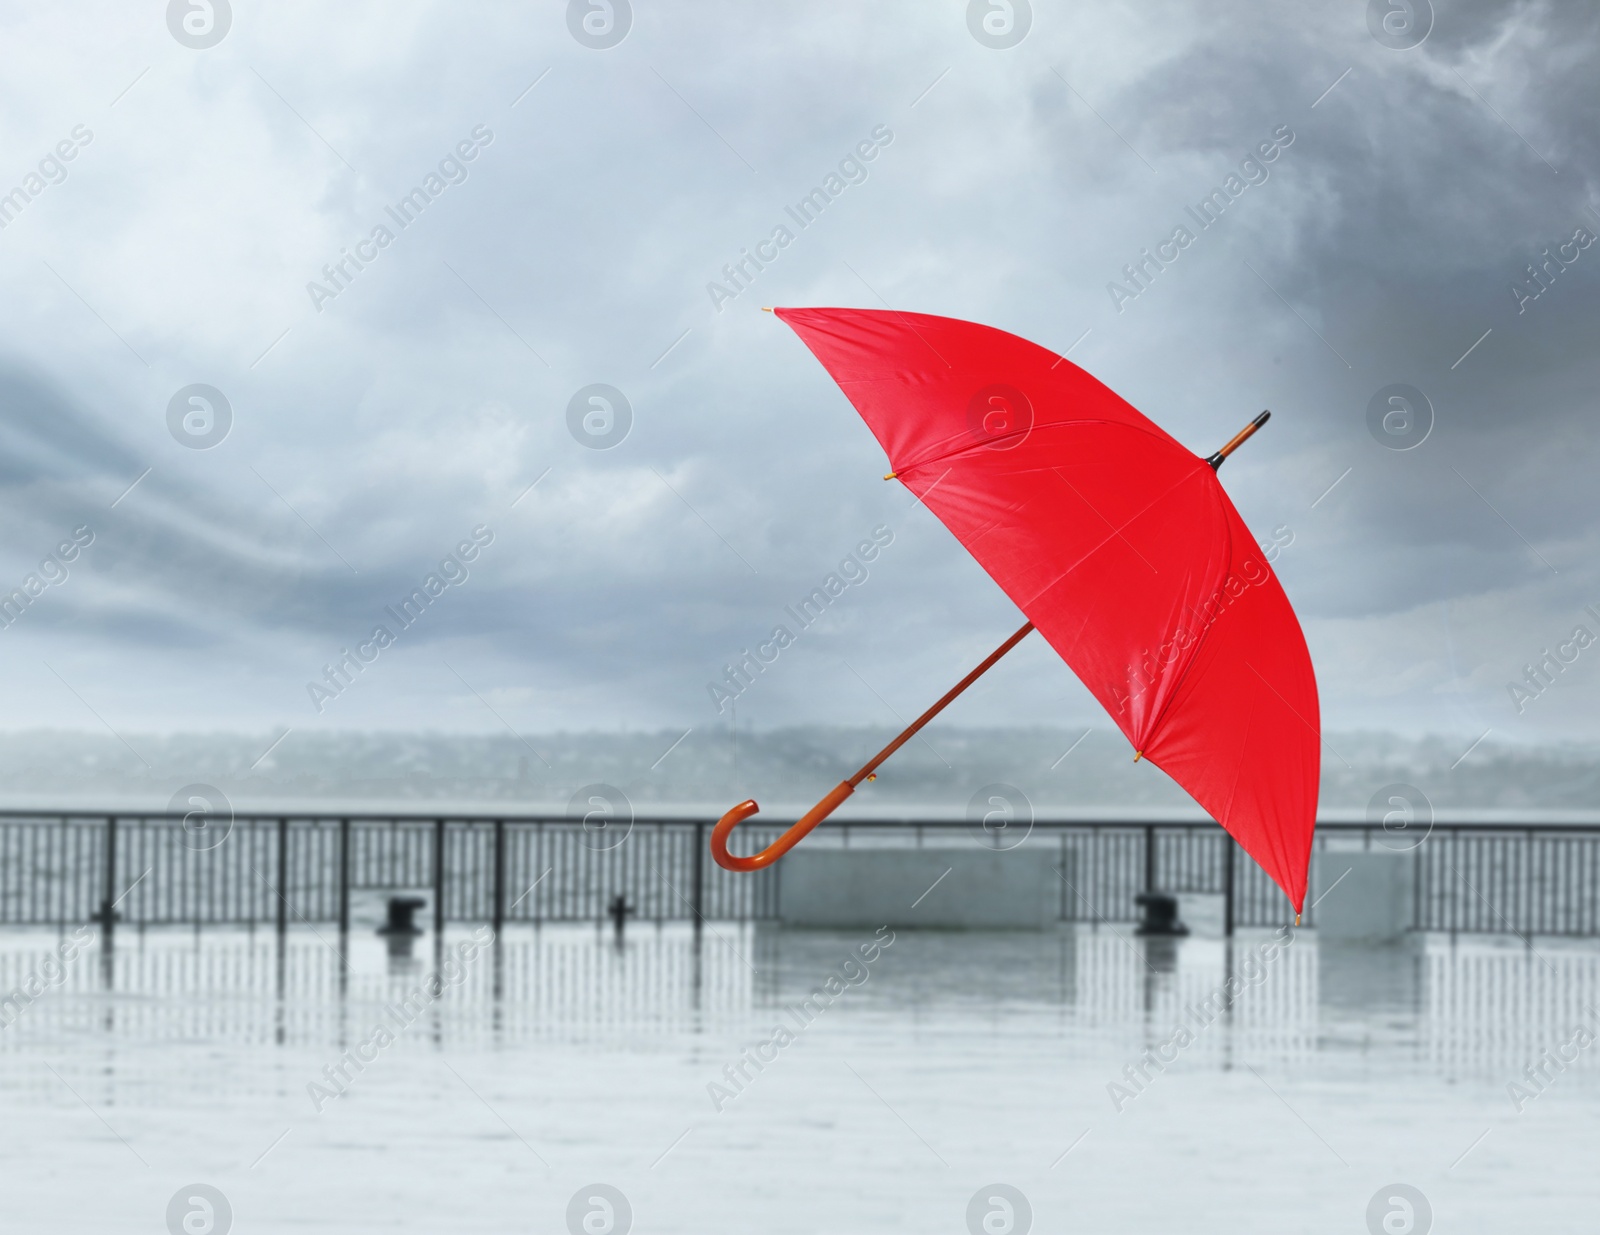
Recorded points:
(956, 1061)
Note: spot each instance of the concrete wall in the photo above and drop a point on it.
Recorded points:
(971, 888)
(1364, 895)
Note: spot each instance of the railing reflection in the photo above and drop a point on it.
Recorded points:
(1468, 1009)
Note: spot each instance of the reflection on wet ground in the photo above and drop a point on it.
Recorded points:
(752, 1077)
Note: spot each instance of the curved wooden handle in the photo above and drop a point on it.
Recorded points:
(829, 804)
(784, 843)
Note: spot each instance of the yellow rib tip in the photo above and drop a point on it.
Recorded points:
(1297, 919)
(890, 475)
(765, 309)
(1138, 755)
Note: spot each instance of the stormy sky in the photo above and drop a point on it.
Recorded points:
(375, 416)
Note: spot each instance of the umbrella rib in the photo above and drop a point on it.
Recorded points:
(1150, 732)
(1199, 643)
(1244, 746)
(1273, 839)
(968, 446)
(1273, 835)
(995, 522)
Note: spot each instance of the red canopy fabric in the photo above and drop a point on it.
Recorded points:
(1119, 544)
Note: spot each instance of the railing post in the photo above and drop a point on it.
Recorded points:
(499, 876)
(697, 895)
(344, 876)
(1061, 870)
(1418, 916)
(283, 875)
(1228, 856)
(108, 910)
(438, 881)
(1149, 857)
(539, 850)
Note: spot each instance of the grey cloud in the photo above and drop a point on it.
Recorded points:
(413, 406)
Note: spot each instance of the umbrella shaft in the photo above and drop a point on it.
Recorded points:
(910, 730)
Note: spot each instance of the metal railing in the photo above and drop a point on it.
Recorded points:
(150, 869)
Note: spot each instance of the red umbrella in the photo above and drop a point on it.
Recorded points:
(1119, 545)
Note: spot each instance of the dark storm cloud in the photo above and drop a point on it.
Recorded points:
(1427, 205)
(173, 563)
(43, 437)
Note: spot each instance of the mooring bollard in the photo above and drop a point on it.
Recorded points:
(1160, 910)
(618, 911)
(399, 927)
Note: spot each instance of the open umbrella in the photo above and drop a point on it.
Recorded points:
(1119, 545)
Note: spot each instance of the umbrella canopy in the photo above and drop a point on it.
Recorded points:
(1120, 546)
